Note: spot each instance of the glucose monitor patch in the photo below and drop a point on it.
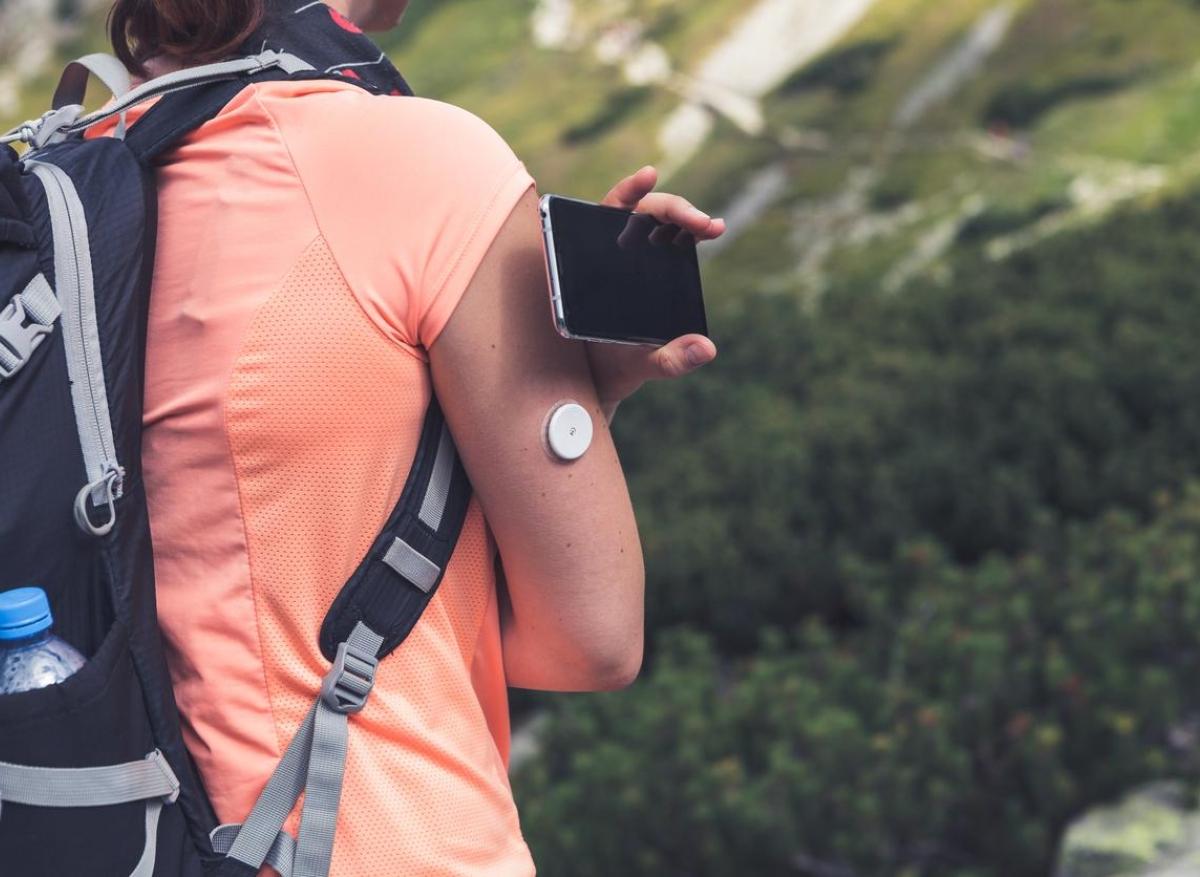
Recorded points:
(569, 431)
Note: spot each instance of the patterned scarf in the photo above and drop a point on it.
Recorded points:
(329, 41)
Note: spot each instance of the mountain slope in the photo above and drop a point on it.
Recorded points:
(924, 127)
(936, 127)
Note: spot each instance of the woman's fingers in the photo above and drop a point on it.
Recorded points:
(681, 356)
(636, 192)
(619, 371)
(631, 190)
(716, 228)
(683, 238)
(664, 235)
(677, 210)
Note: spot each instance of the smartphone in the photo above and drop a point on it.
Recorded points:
(618, 276)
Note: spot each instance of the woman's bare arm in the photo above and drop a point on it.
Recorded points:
(566, 531)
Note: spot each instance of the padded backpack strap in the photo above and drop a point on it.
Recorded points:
(372, 615)
(66, 121)
(400, 574)
(177, 115)
(180, 112)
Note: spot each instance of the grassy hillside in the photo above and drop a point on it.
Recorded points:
(573, 118)
(1082, 105)
(921, 563)
(1074, 106)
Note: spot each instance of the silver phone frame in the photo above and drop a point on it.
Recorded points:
(556, 302)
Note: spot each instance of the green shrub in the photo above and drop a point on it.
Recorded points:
(846, 70)
(955, 735)
(618, 107)
(923, 485)
(997, 221)
(1021, 104)
(1062, 382)
(894, 190)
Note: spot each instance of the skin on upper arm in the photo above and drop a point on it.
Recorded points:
(565, 531)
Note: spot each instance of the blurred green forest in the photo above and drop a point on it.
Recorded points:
(923, 545)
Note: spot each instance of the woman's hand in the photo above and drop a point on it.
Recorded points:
(619, 370)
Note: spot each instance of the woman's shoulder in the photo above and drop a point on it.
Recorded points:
(385, 153)
(408, 192)
(364, 124)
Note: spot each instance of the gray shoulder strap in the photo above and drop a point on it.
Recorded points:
(313, 765)
(192, 76)
(60, 123)
(72, 87)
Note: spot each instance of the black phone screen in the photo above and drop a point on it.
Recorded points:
(625, 276)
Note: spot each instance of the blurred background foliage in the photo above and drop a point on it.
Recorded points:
(923, 545)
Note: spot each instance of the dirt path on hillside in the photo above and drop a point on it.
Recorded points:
(963, 62)
(776, 38)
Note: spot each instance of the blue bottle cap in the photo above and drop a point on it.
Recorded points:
(24, 612)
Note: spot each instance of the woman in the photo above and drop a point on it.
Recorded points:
(326, 260)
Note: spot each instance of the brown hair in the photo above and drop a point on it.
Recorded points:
(187, 31)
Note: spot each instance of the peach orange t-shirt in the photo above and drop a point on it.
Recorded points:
(313, 241)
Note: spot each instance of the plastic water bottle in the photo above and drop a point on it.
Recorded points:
(30, 655)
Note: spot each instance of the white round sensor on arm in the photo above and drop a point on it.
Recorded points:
(569, 431)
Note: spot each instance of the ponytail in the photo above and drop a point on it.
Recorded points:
(188, 31)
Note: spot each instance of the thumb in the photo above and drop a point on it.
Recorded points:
(681, 356)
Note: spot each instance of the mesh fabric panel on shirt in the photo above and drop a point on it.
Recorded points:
(323, 416)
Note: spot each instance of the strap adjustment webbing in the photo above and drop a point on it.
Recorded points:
(24, 324)
(314, 763)
(281, 856)
(150, 778)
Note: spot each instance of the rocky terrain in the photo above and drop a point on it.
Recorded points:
(1149, 833)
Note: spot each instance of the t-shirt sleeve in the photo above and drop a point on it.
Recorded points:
(479, 202)
(410, 194)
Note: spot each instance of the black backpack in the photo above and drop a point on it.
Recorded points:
(94, 777)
